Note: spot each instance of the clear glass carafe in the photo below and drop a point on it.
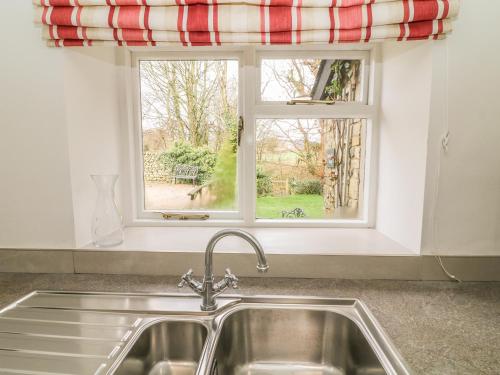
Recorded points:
(107, 225)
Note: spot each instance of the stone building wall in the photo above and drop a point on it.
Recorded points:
(340, 191)
(341, 186)
(355, 152)
(154, 171)
(330, 173)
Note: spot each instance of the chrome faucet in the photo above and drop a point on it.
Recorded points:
(208, 289)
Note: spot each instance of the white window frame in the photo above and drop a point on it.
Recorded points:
(252, 108)
(139, 188)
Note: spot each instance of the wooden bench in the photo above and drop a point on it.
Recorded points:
(197, 190)
(185, 172)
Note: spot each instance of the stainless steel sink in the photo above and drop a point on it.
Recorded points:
(256, 341)
(158, 334)
(166, 348)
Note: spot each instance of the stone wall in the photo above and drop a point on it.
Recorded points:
(154, 171)
(355, 152)
(330, 175)
(342, 163)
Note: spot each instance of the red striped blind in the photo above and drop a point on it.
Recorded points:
(220, 22)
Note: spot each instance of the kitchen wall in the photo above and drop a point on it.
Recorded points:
(59, 122)
(403, 128)
(92, 112)
(462, 211)
(429, 89)
(35, 190)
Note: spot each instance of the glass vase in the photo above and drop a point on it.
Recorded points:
(107, 225)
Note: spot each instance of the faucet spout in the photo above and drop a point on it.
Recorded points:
(208, 289)
(262, 265)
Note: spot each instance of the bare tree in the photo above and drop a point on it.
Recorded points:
(302, 138)
(296, 80)
(190, 99)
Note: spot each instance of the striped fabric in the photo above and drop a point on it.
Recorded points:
(220, 22)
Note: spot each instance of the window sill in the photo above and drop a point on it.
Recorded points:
(310, 241)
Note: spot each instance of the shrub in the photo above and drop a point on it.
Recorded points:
(308, 187)
(224, 177)
(184, 153)
(264, 183)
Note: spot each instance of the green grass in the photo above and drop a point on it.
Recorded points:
(271, 207)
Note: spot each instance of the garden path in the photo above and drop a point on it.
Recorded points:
(163, 196)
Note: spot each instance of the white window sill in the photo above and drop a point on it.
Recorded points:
(317, 241)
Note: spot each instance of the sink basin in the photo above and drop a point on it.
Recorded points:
(80, 333)
(166, 348)
(294, 341)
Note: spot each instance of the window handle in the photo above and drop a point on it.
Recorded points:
(310, 101)
(174, 216)
(241, 127)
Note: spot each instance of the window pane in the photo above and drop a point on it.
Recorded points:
(310, 169)
(286, 79)
(189, 128)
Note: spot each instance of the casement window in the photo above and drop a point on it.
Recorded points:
(255, 136)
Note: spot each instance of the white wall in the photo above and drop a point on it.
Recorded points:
(90, 79)
(465, 218)
(59, 124)
(35, 193)
(404, 120)
(427, 89)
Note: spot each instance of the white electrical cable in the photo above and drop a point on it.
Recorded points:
(445, 139)
(444, 148)
(450, 275)
(444, 144)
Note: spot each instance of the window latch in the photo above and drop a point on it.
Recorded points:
(310, 101)
(241, 127)
(173, 216)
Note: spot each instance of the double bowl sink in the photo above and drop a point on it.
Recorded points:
(144, 334)
(264, 336)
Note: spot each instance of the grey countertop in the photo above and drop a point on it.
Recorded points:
(439, 327)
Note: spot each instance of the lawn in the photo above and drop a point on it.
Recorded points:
(271, 207)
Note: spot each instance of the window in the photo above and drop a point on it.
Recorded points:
(265, 138)
(309, 168)
(318, 79)
(189, 112)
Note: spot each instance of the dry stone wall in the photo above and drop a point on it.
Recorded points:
(154, 171)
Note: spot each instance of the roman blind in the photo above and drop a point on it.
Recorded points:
(226, 22)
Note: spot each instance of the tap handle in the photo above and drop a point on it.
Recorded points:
(231, 279)
(188, 276)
